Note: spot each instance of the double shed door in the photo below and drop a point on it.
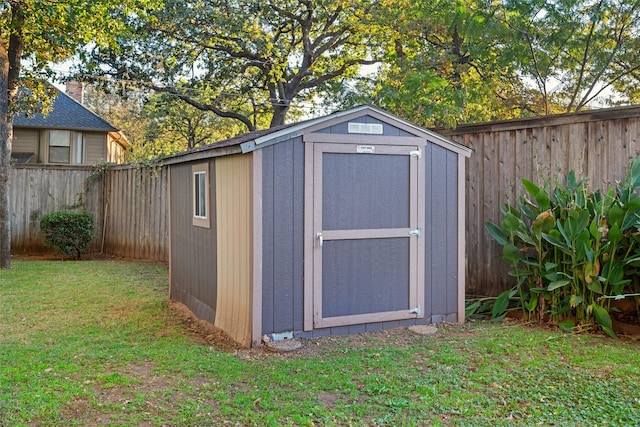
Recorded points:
(366, 209)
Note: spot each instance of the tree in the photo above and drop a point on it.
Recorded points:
(158, 125)
(451, 62)
(36, 33)
(242, 59)
(175, 126)
(577, 50)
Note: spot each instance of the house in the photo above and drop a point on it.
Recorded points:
(70, 134)
(347, 223)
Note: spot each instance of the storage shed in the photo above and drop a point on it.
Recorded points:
(347, 223)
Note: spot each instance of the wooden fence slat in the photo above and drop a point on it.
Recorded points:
(592, 145)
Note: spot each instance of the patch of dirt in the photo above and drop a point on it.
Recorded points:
(203, 331)
(206, 333)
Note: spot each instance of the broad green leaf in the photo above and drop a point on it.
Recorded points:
(601, 315)
(615, 215)
(595, 229)
(501, 303)
(525, 238)
(511, 254)
(557, 284)
(556, 242)
(595, 286)
(543, 223)
(471, 308)
(510, 223)
(497, 233)
(537, 193)
(614, 234)
(531, 304)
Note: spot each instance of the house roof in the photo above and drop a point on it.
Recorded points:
(67, 113)
(257, 139)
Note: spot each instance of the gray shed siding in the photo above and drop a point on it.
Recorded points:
(342, 128)
(282, 236)
(193, 249)
(441, 233)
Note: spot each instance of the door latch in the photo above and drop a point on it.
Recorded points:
(319, 237)
(417, 232)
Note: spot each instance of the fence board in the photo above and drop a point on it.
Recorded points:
(136, 225)
(598, 145)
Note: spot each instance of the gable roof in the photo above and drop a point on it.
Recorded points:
(67, 113)
(261, 138)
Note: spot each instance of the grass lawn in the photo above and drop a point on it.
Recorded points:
(96, 343)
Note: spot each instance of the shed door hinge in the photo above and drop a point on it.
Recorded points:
(416, 153)
(417, 232)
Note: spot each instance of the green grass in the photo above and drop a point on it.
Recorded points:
(94, 343)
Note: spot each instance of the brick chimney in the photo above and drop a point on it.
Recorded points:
(74, 89)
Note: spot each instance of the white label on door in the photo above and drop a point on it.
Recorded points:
(366, 149)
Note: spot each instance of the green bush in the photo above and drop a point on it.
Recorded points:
(68, 232)
(572, 251)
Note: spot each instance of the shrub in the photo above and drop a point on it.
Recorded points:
(572, 250)
(68, 232)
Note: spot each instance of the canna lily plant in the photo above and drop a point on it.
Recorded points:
(571, 251)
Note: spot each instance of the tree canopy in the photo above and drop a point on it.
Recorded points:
(450, 62)
(242, 59)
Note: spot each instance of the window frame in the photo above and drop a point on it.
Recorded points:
(198, 219)
(75, 146)
(68, 145)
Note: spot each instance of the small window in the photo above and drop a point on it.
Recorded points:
(59, 146)
(79, 157)
(201, 217)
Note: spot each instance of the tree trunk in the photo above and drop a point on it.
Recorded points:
(279, 115)
(6, 131)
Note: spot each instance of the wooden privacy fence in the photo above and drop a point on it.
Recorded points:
(36, 190)
(129, 203)
(597, 144)
(136, 212)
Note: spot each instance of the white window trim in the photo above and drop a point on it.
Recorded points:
(201, 221)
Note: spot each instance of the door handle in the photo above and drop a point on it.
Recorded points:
(319, 237)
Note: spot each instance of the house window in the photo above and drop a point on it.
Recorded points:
(59, 146)
(200, 179)
(79, 157)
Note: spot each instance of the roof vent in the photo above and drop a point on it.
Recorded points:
(368, 128)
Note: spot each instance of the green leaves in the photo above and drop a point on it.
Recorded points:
(570, 250)
(538, 194)
(603, 319)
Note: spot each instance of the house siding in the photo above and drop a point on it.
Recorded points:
(193, 260)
